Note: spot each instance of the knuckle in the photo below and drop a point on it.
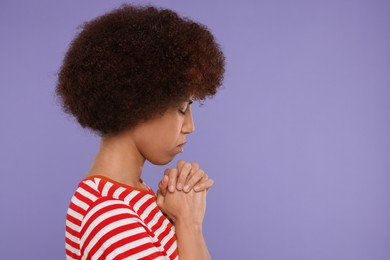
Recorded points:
(180, 163)
(187, 166)
(195, 165)
(173, 171)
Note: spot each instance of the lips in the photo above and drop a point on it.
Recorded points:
(180, 146)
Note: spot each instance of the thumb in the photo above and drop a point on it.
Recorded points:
(160, 199)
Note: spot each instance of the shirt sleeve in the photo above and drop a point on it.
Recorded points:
(111, 230)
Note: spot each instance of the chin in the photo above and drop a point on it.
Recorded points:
(160, 161)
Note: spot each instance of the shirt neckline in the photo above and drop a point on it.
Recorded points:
(149, 190)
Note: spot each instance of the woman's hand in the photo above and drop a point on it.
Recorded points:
(187, 208)
(186, 177)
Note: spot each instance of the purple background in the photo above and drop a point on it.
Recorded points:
(298, 140)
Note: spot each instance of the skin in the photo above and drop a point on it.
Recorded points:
(182, 190)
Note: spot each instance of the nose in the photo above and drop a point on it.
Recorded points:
(188, 124)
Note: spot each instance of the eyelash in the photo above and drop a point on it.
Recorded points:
(182, 112)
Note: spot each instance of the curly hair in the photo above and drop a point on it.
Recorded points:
(134, 63)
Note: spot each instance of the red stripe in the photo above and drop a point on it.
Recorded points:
(170, 243)
(123, 195)
(144, 206)
(130, 251)
(90, 190)
(84, 199)
(77, 209)
(152, 256)
(73, 220)
(151, 215)
(112, 190)
(159, 223)
(101, 184)
(72, 232)
(163, 234)
(174, 254)
(71, 254)
(102, 211)
(112, 233)
(136, 198)
(95, 190)
(71, 243)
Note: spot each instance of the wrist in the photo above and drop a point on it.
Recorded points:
(194, 226)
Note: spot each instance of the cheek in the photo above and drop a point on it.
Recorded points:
(161, 152)
(160, 145)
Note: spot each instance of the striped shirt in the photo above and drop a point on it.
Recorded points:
(109, 220)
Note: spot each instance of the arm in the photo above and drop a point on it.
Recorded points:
(187, 211)
(111, 230)
(190, 238)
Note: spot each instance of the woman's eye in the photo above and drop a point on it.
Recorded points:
(182, 111)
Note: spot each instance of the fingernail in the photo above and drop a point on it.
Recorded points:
(180, 186)
(171, 188)
(186, 188)
(197, 188)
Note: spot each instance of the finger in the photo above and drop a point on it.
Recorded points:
(196, 178)
(163, 185)
(194, 167)
(204, 186)
(183, 174)
(172, 176)
(160, 198)
(180, 165)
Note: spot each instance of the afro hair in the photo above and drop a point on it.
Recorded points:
(133, 63)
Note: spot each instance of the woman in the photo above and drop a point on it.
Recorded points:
(130, 76)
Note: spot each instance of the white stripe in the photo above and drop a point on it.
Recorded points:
(129, 246)
(155, 219)
(75, 214)
(72, 226)
(103, 216)
(144, 253)
(147, 211)
(118, 192)
(141, 201)
(162, 227)
(172, 248)
(86, 194)
(106, 188)
(116, 237)
(130, 196)
(72, 249)
(80, 203)
(167, 238)
(93, 183)
(113, 240)
(71, 237)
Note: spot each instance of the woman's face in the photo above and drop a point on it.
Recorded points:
(161, 138)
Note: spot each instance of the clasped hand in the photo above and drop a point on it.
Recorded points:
(182, 192)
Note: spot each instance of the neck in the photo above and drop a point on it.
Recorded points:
(119, 159)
